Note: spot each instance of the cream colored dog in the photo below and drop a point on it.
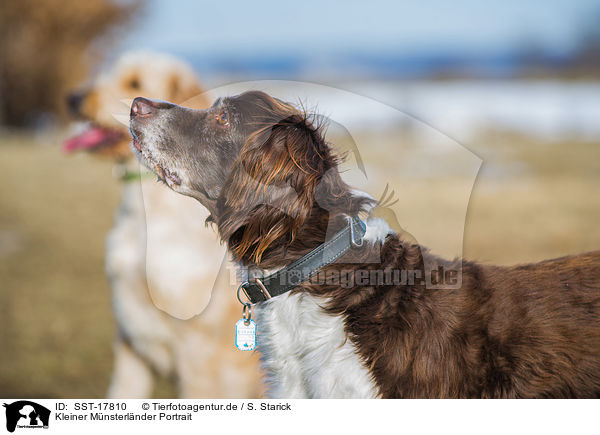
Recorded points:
(161, 260)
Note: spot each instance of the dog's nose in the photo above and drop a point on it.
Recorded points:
(145, 107)
(74, 100)
(141, 107)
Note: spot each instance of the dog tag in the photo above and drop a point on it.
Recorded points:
(245, 334)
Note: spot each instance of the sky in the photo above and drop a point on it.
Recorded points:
(321, 27)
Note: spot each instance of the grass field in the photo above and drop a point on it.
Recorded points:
(532, 200)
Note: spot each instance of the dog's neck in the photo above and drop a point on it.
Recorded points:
(267, 286)
(317, 229)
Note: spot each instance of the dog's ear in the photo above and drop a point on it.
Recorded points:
(271, 188)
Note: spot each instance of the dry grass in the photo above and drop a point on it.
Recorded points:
(57, 326)
(56, 322)
(532, 200)
(548, 205)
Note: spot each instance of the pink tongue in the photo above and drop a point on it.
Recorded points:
(89, 139)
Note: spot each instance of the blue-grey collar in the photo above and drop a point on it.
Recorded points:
(261, 289)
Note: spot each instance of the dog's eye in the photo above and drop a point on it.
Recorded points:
(134, 84)
(222, 118)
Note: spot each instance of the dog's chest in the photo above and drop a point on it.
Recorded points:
(161, 238)
(306, 353)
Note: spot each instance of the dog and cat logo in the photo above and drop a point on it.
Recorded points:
(25, 414)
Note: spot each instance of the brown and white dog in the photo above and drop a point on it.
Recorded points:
(161, 260)
(272, 186)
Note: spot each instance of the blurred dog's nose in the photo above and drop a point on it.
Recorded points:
(74, 100)
(145, 107)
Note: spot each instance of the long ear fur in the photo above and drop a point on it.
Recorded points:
(284, 189)
(271, 189)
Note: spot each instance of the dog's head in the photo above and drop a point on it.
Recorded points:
(260, 166)
(105, 102)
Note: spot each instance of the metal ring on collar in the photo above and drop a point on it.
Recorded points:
(242, 287)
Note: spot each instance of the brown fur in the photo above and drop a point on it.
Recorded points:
(524, 331)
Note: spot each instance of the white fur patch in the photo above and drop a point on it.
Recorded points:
(306, 353)
(377, 230)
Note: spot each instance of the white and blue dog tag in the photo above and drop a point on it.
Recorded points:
(245, 334)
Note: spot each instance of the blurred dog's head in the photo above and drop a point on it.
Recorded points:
(105, 102)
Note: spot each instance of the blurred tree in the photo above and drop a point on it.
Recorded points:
(49, 46)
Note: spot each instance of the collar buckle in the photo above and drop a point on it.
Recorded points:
(263, 289)
(243, 287)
